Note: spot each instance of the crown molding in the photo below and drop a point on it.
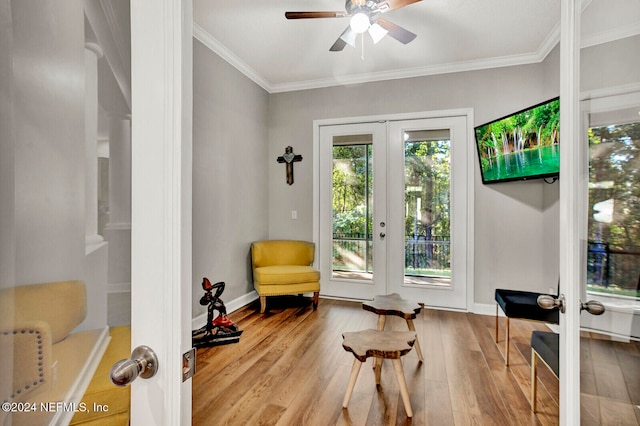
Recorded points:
(547, 45)
(215, 46)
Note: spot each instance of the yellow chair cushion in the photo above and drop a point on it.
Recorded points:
(101, 392)
(282, 252)
(285, 274)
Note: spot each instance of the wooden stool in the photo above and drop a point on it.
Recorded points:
(381, 345)
(393, 304)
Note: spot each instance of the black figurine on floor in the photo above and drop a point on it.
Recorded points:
(219, 330)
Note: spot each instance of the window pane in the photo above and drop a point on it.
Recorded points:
(352, 203)
(614, 202)
(427, 209)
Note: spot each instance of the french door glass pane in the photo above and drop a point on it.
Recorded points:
(352, 196)
(427, 208)
(614, 217)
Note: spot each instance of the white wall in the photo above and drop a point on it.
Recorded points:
(42, 226)
(230, 178)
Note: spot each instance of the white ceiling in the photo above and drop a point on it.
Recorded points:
(453, 35)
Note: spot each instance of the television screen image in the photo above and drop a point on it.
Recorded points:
(521, 146)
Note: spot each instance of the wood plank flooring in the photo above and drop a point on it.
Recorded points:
(289, 368)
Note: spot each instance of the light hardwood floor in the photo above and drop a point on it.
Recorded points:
(289, 368)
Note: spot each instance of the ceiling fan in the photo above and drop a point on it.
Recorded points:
(364, 16)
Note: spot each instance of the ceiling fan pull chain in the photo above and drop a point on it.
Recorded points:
(362, 54)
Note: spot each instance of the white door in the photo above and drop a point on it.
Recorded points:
(161, 75)
(393, 208)
(598, 254)
(428, 210)
(352, 216)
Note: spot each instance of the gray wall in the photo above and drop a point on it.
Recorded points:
(509, 217)
(240, 193)
(230, 178)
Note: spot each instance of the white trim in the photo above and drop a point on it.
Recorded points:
(85, 375)
(617, 33)
(113, 288)
(232, 306)
(470, 185)
(161, 187)
(216, 47)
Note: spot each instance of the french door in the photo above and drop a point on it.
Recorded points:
(393, 209)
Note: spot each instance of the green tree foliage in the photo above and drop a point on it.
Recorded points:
(614, 173)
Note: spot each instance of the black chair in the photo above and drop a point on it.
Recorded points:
(546, 347)
(522, 305)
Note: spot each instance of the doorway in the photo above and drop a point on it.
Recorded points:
(393, 208)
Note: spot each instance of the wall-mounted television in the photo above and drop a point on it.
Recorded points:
(521, 146)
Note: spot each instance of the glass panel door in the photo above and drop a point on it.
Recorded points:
(428, 210)
(352, 246)
(609, 343)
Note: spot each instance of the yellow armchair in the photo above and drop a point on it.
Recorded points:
(283, 267)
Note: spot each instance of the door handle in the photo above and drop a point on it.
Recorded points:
(546, 301)
(382, 235)
(593, 307)
(143, 363)
(549, 302)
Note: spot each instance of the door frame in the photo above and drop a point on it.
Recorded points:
(573, 198)
(161, 285)
(468, 113)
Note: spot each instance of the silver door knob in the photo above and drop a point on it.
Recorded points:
(546, 301)
(593, 307)
(143, 363)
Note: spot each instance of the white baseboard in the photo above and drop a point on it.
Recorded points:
(232, 306)
(118, 287)
(486, 309)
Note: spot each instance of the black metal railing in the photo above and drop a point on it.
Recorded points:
(354, 252)
(609, 265)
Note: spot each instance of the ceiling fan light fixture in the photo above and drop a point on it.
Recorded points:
(360, 22)
(349, 37)
(377, 33)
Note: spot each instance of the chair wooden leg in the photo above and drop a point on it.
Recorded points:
(417, 344)
(506, 350)
(316, 297)
(377, 369)
(534, 379)
(381, 321)
(404, 392)
(355, 369)
(263, 304)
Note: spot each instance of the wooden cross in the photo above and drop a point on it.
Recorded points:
(289, 158)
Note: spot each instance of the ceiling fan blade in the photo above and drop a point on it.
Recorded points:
(307, 15)
(387, 5)
(348, 36)
(396, 31)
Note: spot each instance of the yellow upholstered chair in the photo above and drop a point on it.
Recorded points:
(283, 267)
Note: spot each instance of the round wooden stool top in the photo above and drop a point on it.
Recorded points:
(393, 304)
(380, 344)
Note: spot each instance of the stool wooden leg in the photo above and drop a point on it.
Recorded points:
(263, 304)
(377, 369)
(417, 344)
(355, 369)
(381, 320)
(404, 392)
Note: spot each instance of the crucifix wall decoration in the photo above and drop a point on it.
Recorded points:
(289, 158)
